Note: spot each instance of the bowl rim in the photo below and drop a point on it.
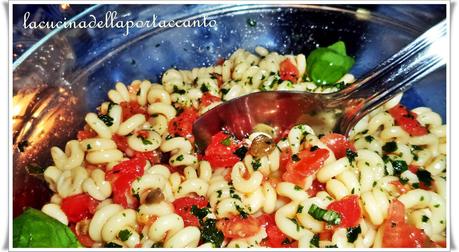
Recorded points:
(225, 9)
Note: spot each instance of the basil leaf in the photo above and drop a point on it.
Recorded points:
(35, 229)
(328, 65)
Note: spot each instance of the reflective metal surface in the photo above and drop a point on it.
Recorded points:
(338, 111)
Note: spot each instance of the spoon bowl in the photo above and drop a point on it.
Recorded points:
(338, 111)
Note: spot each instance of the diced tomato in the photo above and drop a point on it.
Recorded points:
(397, 233)
(275, 238)
(326, 235)
(349, 210)
(121, 142)
(220, 152)
(220, 61)
(79, 206)
(218, 77)
(153, 156)
(407, 120)
(84, 134)
(400, 188)
(121, 177)
(208, 99)
(238, 227)
(338, 144)
(143, 133)
(315, 188)
(285, 158)
(84, 239)
(309, 162)
(131, 108)
(183, 208)
(288, 71)
(182, 125)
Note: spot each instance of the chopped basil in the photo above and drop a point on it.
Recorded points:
(416, 147)
(424, 176)
(204, 88)
(353, 233)
(300, 209)
(286, 241)
(35, 169)
(314, 148)
(329, 216)
(425, 218)
(180, 158)
(403, 180)
(145, 141)
(390, 147)
(256, 164)
(241, 211)
(331, 246)
(399, 166)
(124, 234)
(108, 120)
(314, 241)
(178, 91)
(297, 188)
(296, 223)
(22, 145)
(226, 141)
(112, 245)
(240, 152)
(199, 212)
(295, 158)
(224, 91)
(369, 138)
(351, 155)
(88, 146)
(326, 65)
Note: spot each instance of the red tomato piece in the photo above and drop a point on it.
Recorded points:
(309, 162)
(397, 233)
(182, 125)
(238, 227)
(326, 235)
(275, 238)
(338, 144)
(220, 152)
(400, 187)
(84, 239)
(315, 188)
(121, 142)
(407, 120)
(218, 77)
(183, 208)
(288, 71)
(208, 99)
(349, 210)
(79, 206)
(84, 134)
(121, 177)
(153, 156)
(285, 157)
(131, 108)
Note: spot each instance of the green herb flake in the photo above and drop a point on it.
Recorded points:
(369, 138)
(399, 166)
(241, 211)
(157, 245)
(425, 218)
(314, 242)
(295, 158)
(240, 152)
(351, 155)
(297, 188)
(124, 234)
(424, 176)
(353, 233)
(180, 158)
(329, 216)
(226, 141)
(256, 164)
(108, 120)
(300, 209)
(390, 147)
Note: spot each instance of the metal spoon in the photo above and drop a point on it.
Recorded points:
(339, 111)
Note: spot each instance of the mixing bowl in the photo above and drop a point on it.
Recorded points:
(69, 71)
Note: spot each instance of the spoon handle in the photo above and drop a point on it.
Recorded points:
(397, 74)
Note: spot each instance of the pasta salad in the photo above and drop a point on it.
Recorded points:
(133, 178)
